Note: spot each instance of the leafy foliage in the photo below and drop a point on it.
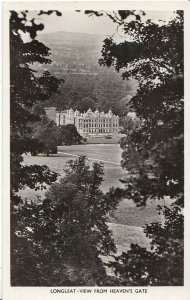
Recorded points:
(153, 151)
(105, 91)
(85, 103)
(60, 239)
(158, 103)
(160, 266)
(26, 89)
(46, 133)
(68, 135)
(38, 110)
(119, 16)
(49, 136)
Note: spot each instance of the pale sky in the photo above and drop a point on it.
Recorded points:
(72, 21)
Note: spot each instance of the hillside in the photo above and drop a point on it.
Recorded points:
(70, 38)
(75, 59)
(74, 52)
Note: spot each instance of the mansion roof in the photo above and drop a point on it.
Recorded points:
(90, 114)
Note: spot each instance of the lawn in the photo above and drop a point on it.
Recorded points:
(108, 154)
(128, 219)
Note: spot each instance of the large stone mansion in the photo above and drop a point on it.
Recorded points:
(90, 123)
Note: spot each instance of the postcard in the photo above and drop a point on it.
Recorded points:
(95, 176)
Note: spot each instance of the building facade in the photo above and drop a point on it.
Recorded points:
(90, 123)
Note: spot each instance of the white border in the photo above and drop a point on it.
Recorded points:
(30, 293)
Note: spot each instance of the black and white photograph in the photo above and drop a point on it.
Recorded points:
(96, 149)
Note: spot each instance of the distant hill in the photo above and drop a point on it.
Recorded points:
(75, 59)
(71, 38)
(74, 51)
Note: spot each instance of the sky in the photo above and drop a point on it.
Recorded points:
(72, 21)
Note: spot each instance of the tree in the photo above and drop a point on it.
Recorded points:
(158, 104)
(38, 109)
(26, 89)
(46, 132)
(153, 153)
(67, 232)
(85, 103)
(68, 135)
(105, 90)
(123, 106)
(160, 266)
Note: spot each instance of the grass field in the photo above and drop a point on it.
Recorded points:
(109, 154)
(128, 219)
(113, 139)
